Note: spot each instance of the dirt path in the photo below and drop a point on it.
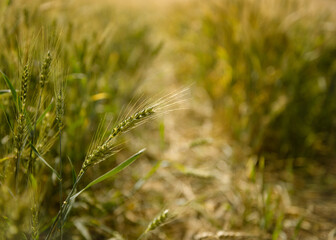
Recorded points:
(313, 200)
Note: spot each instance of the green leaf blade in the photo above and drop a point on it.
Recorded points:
(45, 162)
(11, 87)
(45, 112)
(112, 172)
(73, 171)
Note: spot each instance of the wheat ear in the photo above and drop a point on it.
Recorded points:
(45, 70)
(21, 130)
(24, 86)
(105, 150)
(156, 223)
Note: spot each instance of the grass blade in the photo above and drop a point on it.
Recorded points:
(11, 87)
(45, 162)
(112, 172)
(44, 113)
(7, 118)
(73, 171)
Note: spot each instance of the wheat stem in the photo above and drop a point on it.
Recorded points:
(59, 118)
(61, 180)
(64, 207)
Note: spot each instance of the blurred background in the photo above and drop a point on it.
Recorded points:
(251, 152)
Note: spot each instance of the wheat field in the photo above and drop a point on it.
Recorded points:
(172, 119)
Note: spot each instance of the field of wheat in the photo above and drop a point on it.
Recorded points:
(190, 119)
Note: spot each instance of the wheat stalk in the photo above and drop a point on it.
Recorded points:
(44, 73)
(60, 96)
(144, 112)
(101, 150)
(59, 119)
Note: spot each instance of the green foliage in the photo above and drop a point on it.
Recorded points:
(269, 73)
(106, 57)
(112, 172)
(45, 44)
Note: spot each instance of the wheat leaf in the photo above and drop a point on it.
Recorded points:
(45, 162)
(112, 172)
(11, 87)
